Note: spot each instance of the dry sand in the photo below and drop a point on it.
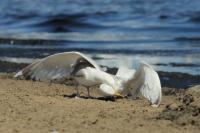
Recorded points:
(36, 107)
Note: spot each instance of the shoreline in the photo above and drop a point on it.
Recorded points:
(168, 79)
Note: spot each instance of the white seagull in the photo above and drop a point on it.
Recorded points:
(69, 66)
(75, 66)
(144, 81)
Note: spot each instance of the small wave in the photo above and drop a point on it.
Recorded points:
(22, 15)
(17, 60)
(67, 23)
(195, 17)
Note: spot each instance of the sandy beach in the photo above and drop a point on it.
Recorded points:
(113, 33)
(34, 107)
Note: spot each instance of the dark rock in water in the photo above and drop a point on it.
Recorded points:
(184, 65)
(178, 80)
(97, 58)
(110, 70)
(178, 64)
(190, 39)
(161, 64)
(11, 67)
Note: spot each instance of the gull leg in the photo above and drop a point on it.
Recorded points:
(77, 91)
(88, 91)
(50, 83)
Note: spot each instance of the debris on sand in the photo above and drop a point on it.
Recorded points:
(185, 113)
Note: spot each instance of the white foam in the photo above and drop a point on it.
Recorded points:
(18, 60)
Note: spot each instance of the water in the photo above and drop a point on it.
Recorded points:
(115, 32)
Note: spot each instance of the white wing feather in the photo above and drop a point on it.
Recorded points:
(146, 81)
(55, 67)
(125, 73)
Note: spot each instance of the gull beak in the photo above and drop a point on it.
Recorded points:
(118, 94)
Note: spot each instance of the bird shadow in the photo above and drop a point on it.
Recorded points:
(107, 98)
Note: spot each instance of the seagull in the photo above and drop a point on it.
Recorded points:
(78, 68)
(144, 81)
(69, 66)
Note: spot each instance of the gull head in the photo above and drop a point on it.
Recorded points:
(107, 90)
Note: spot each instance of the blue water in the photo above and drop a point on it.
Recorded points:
(116, 32)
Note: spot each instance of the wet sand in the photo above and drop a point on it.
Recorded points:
(33, 107)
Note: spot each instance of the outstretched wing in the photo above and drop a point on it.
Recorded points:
(147, 82)
(125, 73)
(55, 67)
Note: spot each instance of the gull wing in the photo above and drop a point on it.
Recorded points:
(146, 81)
(56, 67)
(125, 73)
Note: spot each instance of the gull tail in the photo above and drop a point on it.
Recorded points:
(145, 81)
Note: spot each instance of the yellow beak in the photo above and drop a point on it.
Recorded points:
(118, 94)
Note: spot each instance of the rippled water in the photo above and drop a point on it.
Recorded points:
(115, 32)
